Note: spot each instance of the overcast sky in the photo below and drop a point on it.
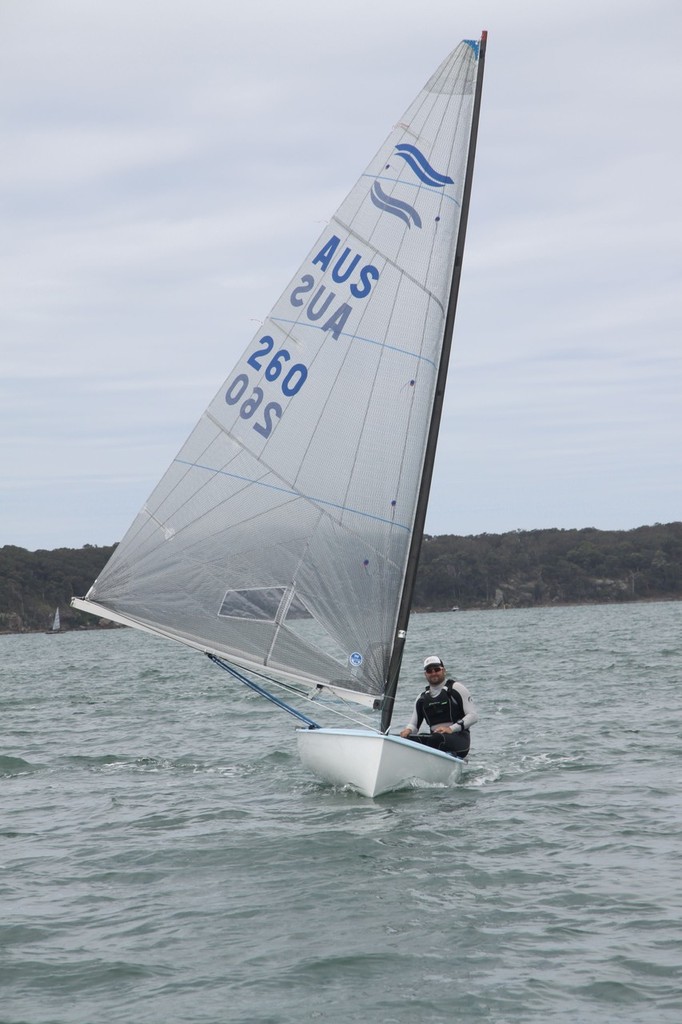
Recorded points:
(166, 165)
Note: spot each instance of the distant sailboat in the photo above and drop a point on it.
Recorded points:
(56, 623)
(301, 494)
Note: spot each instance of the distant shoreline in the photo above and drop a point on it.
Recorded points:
(549, 568)
(415, 611)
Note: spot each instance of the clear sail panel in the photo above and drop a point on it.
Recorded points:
(280, 532)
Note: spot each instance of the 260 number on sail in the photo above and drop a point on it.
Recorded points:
(291, 380)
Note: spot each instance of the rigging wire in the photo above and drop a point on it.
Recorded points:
(262, 692)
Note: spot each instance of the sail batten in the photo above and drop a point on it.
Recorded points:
(312, 499)
(280, 534)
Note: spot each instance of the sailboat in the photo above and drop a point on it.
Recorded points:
(56, 624)
(284, 538)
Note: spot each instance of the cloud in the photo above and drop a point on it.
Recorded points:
(163, 177)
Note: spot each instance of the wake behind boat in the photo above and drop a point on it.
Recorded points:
(300, 497)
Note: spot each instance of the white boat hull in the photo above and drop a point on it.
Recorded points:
(372, 763)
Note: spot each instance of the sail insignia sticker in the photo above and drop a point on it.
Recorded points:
(421, 166)
(417, 162)
(356, 659)
(398, 208)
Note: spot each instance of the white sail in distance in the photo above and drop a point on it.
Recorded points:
(293, 499)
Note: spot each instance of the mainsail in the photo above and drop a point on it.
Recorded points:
(279, 536)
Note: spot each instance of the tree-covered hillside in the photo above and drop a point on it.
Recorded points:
(34, 583)
(540, 567)
(517, 570)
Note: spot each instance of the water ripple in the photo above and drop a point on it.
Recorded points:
(165, 857)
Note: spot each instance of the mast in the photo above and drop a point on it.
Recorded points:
(434, 426)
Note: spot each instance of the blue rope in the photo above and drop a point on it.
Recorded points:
(264, 693)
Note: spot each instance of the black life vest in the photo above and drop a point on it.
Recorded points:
(446, 706)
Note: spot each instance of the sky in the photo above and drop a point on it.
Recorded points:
(168, 163)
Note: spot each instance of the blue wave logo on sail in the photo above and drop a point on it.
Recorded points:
(418, 163)
(388, 204)
(421, 166)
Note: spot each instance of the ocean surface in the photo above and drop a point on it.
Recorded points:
(165, 858)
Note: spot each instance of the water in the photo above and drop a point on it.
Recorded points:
(165, 858)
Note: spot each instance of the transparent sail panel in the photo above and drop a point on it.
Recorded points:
(293, 499)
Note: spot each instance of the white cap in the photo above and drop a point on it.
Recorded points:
(433, 660)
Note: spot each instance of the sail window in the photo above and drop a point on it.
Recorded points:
(263, 604)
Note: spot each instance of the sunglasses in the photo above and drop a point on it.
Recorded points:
(433, 668)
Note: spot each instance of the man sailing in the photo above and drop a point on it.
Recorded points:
(447, 708)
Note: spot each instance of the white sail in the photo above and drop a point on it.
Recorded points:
(294, 497)
(56, 623)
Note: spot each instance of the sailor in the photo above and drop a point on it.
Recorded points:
(448, 710)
